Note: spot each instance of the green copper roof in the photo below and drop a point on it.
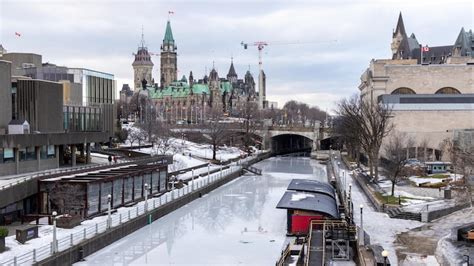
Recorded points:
(178, 89)
(225, 86)
(200, 89)
(168, 34)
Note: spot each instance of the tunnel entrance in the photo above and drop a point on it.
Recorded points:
(289, 143)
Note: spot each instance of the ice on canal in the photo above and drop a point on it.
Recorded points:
(235, 224)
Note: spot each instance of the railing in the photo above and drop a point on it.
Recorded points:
(90, 230)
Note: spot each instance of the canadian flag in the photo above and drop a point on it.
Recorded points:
(17, 34)
(425, 49)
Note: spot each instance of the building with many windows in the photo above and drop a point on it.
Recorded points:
(431, 96)
(189, 99)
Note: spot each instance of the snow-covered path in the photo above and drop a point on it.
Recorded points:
(381, 228)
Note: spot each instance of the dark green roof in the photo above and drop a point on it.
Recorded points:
(168, 34)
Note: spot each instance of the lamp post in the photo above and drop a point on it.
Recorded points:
(172, 188)
(467, 259)
(109, 209)
(384, 255)
(146, 197)
(55, 241)
(362, 223)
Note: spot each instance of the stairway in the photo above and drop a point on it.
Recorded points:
(253, 170)
(400, 214)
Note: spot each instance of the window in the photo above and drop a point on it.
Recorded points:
(44, 152)
(22, 154)
(163, 181)
(8, 155)
(128, 189)
(447, 90)
(403, 90)
(106, 189)
(138, 187)
(30, 153)
(51, 151)
(118, 186)
(93, 191)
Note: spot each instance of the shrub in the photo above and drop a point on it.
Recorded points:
(3, 232)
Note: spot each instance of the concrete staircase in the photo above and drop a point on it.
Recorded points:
(401, 214)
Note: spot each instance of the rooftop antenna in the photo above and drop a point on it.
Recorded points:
(143, 39)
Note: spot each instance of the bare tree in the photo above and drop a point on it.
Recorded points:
(424, 143)
(395, 153)
(250, 114)
(369, 123)
(218, 130)
(136, 135)
(163, 138)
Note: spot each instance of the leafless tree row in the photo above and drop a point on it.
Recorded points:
(364, 124)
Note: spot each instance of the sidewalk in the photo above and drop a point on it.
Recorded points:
(381, 228)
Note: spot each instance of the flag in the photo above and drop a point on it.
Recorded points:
(17, 34)
(425, 49)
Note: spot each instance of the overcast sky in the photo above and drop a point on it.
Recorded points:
(102, 35)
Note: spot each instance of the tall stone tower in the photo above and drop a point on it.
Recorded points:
(142, 66)
(169, 60)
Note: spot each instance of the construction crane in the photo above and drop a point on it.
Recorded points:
(260, 45)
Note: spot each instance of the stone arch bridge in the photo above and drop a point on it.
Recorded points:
(279, 139)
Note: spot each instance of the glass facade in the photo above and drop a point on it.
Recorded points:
(128, 189)
(105, 190)
(82, 118)
(155, 182)
(8, 155)
(162, 181)
(148, 182)
(138, 187)
(117, 196)
(93, 192)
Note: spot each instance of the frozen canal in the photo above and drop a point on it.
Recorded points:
(235, 224)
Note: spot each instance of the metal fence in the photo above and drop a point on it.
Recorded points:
(90, 230)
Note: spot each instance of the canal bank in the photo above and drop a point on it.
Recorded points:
(235, 224)
(131, 220)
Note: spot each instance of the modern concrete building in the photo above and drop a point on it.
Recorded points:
(431, 98)
(21, 62)
(5, 98)
(62, 122)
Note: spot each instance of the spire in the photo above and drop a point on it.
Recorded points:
(232, 72)
(400, 26)
(143, 39)
(168, 34)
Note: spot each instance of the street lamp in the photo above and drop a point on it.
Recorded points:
(109, 209)
(55, 241)
(172, 187)
(146, 197)
(467, 259)
(384, 255)
(362, 223)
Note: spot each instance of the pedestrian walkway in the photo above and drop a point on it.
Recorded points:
(381, 228)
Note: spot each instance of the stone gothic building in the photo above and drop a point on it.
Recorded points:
(431, 94)
(188, 99)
